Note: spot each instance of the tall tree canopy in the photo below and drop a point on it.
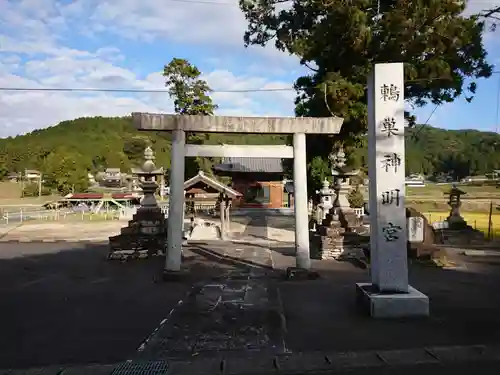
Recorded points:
(340, 40)
(191, 96)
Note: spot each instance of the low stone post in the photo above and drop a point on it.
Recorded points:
(222, 211)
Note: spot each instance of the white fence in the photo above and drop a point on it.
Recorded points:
(360, 212)
(22, 215)
(30, 215)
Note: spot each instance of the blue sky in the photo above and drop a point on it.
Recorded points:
(125, 43)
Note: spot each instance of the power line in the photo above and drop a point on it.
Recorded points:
(415, 136)
(144, 91)
(152, 91)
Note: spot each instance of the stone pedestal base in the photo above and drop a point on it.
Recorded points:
(456, 221)
(397, 305)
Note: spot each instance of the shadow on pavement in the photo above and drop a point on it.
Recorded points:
(322, 315)
(64, 304)
(243, 264)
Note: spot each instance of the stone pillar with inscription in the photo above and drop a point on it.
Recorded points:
(389, 294)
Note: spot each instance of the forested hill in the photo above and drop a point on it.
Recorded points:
(433, 151)
(95, 143)
(91, 144)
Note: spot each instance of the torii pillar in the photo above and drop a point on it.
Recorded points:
(180, 124)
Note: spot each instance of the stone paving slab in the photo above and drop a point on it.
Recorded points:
(223, 316)
(246, 254)
(393, 361)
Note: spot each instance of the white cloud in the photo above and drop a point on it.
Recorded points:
(37, 51)
(218, 23)
(38, 48)
(26, 111)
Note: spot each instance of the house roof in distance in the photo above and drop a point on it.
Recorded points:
(213, 183)
(250, 165)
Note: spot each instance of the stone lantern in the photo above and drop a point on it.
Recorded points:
(146, 233)
(148, 172)
(326, 197)
(148, 185)
(342, 176)
(455, 220)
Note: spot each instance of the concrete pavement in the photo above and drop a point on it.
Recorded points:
(92, 311)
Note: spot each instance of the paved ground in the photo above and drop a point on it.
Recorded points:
(62, 230)
(465, 305)
(274, 229)
(63, 304)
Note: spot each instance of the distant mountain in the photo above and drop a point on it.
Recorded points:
(99, 142)
(434, 152)
(91, 144)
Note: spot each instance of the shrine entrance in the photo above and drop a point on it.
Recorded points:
(205, 184)
(179, 125)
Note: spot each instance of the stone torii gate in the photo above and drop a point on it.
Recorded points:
(180, 124)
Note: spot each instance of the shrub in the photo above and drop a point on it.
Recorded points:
(355, 198)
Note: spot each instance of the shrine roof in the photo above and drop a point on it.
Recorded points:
(250, 165)
(213, 183)
(139, 171)
(346, 170)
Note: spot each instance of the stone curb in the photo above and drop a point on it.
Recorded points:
(480, 253)
(291, 363)
(6, 233)
(22, 241)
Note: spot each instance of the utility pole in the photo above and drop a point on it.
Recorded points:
(490, 222)
(40, 185)
(22, 183)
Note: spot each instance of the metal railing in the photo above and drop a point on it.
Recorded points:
(22, 215)
(26, 215)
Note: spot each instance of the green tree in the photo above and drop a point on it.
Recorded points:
(189, 92)
(4, 169)
(66, 171)
(191, 96)
(134, 148)
(318, 170)
(339, 41)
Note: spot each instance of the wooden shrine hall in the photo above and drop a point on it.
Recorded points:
(202, 188)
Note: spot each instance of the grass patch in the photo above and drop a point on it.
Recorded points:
(10, 195)
(438, 191)
(10, 190)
